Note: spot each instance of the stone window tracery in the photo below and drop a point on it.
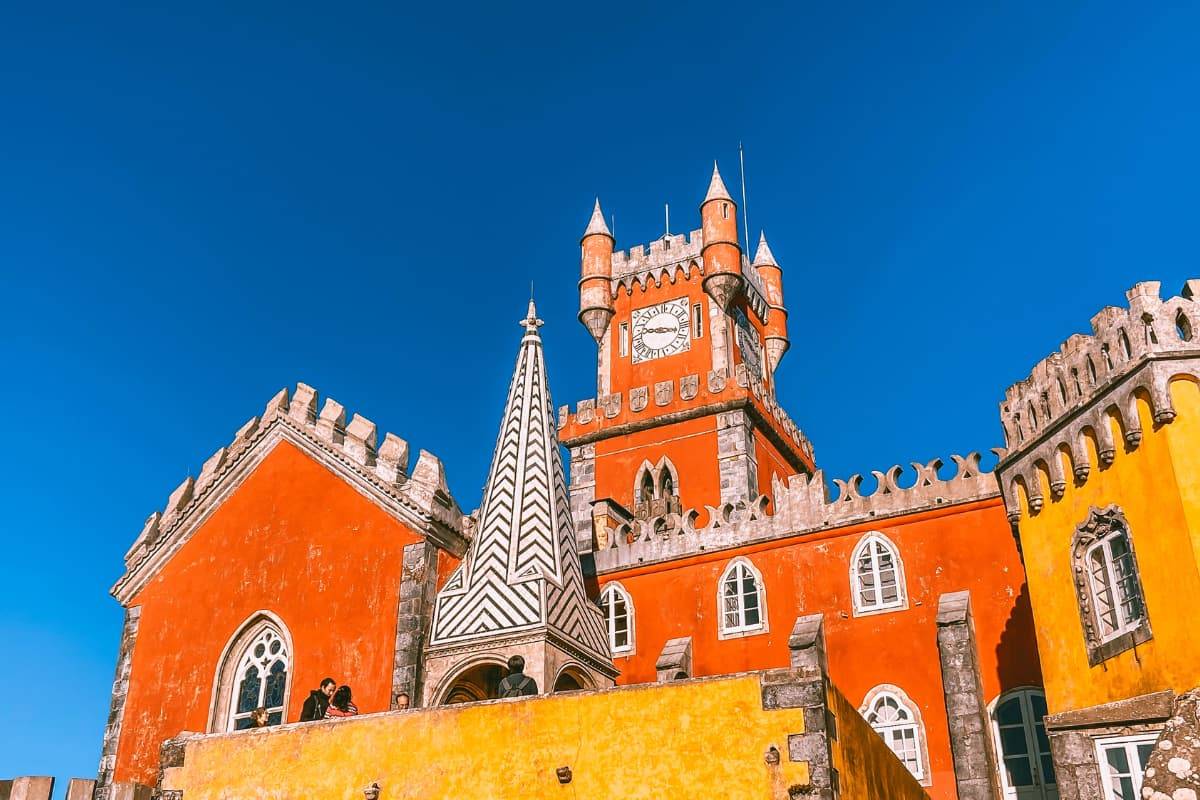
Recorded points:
(741, 599)
(617, 606)
(254, 672)
(1108, 585)
(656, 490)
(889, 711)
(877, 575)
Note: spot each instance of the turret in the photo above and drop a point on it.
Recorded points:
(723, 279)
(769, 271)
(595, 287)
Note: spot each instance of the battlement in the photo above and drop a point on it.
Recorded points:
(1086, 367)
(802, 504)
(423, 491)
(611, 411)
(663, 251)
(1077, 402)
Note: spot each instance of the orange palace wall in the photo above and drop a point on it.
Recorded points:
(942, 551)
(293, 539)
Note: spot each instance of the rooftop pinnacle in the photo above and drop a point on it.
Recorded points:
(596, 223)
(531, 322)
(716, 187)
(763, 257)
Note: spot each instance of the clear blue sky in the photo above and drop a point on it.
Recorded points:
(200, 206)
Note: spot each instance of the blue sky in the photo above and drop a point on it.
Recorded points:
(199, 206)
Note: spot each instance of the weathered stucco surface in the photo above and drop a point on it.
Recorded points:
(1155, 487)
(701, 738)
(294, 539)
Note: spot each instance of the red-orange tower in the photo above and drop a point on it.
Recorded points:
(688, 336)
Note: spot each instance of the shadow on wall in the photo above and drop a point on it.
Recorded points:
(1017, 655)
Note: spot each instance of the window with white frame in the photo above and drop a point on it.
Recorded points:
(617, 606)
(1023, 750)
(741, 599)
(1108, 586)
(1114, 584)
(877, 575)
(1123, 764)
(260, 679)
(895, 720)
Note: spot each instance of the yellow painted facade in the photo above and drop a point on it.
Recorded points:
(1154, 485)
(702, 738)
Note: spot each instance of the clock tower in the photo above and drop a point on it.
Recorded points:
(689, 334)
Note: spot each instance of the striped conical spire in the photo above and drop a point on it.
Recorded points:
(522, 572)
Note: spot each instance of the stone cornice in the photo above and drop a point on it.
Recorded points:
(421, 500)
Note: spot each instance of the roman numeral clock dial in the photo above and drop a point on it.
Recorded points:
(661, 330)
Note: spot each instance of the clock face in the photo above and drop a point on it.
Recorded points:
(661, 330)
(748, 344)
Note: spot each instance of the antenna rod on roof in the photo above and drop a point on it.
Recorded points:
(667, 209)
(745, 206)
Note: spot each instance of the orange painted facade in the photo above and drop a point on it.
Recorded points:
(942, 551)
(296, 540)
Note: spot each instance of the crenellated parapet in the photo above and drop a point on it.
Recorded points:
(673, 258)
(801, 504)
(1079, 405)
(379, 469)
(614, 414)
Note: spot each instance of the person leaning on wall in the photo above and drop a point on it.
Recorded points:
(318, 701)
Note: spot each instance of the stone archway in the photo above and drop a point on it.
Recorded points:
(480, 681)
(572, 679)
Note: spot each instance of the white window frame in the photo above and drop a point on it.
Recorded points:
(1136, 767)
(882, 693)
(1113, 584)
(741, 567)
(610, 592)
(868, 541)
(1033, 752)
(267, 635)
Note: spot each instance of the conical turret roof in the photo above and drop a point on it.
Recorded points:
(763, 257)
(716, 187)
(522, 572)
(596, 223)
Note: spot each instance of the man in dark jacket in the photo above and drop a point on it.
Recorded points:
(517, 683)
(318, 701)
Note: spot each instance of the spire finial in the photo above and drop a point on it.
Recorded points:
(531, 323)
(716, 187)
(596, 223)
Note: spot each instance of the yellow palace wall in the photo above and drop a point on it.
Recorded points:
(1154, 486)
(699, 738)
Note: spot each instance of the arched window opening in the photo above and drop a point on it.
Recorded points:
(667, 483)
(567, 683)
(1123, 340)
(646, 495)
(1183, 327)
(1078, 386)
(724, 210)
(1091, 371)
(1062, 391)
(1033, 418)
(618, 617)
(896, 722)
(1026, 768)
(1108, 585)
(261, 674)
(1108, 362)
(742, 599)
(1148, 325)
(877, 575)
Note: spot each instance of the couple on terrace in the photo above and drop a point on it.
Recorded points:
(328, 702)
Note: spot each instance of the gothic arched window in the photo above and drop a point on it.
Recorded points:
(667, 483)
(742, 600)
(877, 575)
(894, 717)
(646, 492)
(617, 606)
(254, 673)
(1108, 585)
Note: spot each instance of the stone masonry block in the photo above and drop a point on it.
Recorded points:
(32, 788)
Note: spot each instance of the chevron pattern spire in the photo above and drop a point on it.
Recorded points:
(521, 573)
